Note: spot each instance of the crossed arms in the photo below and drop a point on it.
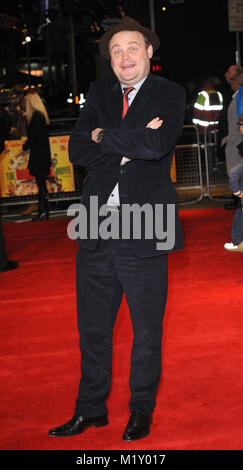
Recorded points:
(151, 142)
(154, 124)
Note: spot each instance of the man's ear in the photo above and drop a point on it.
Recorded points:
(150, 51)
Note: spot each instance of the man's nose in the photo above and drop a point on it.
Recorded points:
(125, 55)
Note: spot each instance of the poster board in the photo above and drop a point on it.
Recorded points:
(15, 178)
(235, 15)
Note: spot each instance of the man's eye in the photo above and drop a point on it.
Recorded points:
(117, 52)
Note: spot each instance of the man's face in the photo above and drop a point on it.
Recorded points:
(229, 74)
(233, 84)
(130, 58)
(230, 77)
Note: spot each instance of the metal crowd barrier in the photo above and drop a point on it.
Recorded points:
(217, 179)
(198, 168)
(189, 178)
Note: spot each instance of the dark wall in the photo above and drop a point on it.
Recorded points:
(194, 35)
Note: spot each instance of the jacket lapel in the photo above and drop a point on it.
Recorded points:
(114, 100)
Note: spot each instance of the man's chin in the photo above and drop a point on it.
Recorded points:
(128, 80)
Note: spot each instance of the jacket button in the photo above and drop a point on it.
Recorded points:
(122, 171)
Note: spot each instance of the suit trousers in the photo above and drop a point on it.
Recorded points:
(103, 276)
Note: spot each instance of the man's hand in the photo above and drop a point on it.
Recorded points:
(155, 123)
(95, 133)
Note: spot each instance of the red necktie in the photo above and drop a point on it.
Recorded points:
(125, 100)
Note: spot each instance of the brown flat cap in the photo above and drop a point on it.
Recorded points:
(127, 24)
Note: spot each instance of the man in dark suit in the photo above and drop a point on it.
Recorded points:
(127, 148)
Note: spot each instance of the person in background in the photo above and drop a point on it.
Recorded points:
(226, 88)
(233, 137)
(38, 144)
(5, 263)
(208, 105)
(236, 186)
(239, 96)
(236, 177)
(192, 92)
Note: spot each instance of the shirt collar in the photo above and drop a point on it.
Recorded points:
(136, 86)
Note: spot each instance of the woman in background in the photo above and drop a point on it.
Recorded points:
(38, 144)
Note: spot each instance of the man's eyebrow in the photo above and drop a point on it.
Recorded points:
(131, 42)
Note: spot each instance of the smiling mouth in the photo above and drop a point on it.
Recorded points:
(127, 67)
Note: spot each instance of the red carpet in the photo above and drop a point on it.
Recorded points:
(200, 398)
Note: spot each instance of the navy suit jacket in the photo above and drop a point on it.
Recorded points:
(146, 178)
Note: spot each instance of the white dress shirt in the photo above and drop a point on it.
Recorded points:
(114, 199)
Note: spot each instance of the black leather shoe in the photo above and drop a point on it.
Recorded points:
(138, 426)
(77, 425)
(10, 264)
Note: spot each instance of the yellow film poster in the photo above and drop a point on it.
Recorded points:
(15, 178)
